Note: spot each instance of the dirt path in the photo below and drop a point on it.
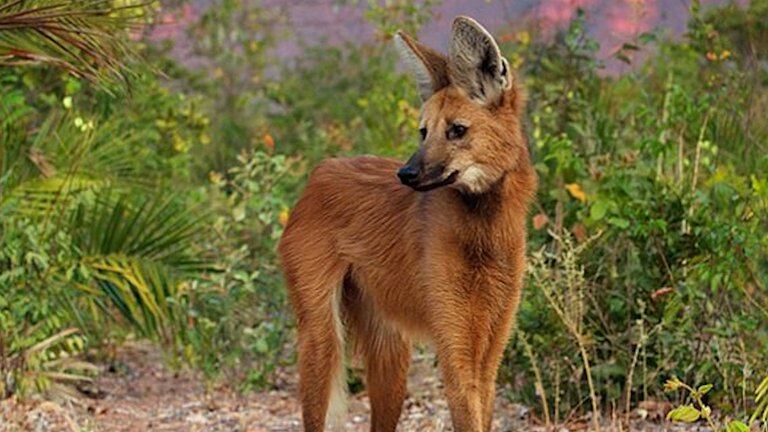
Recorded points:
(142, 395)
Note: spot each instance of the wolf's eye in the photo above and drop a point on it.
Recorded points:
(423, 132)
(456, 131)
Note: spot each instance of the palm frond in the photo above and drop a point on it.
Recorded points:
(157, 228)
(136, 253)
(87, 38)
(14, 113)
(46, 197)
(761, 399)
(48, 370)
(105, 150)
(64, 160)
(50, 341)
(141, 291)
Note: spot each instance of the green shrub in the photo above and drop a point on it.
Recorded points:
(240, 312)
(677, 278)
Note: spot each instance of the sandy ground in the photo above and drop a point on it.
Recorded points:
(142, 395)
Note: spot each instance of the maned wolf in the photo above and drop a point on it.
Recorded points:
(437, 255)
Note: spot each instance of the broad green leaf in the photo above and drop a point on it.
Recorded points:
(619, 222)
(685, 413)
(599, 209)
(736, 426)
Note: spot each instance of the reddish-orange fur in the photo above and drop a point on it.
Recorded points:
(445, 265)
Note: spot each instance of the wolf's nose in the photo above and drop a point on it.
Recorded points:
(407, 174)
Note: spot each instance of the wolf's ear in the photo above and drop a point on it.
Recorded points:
(429, 66)
(475, 62)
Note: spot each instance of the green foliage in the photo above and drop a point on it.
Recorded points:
(560, 279)
(35, 343)
(390, 16)
(241, 309)
(691, 413)
(94, 245)
(87, 38)
(677, 279)
(345, 101)
(233, 36)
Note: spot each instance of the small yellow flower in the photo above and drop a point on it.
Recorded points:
(283, 217)
(179, 144)
(517, 61)
(576, 191)
(725, 54)
(215, 177)
(524, 37)
(672, 384)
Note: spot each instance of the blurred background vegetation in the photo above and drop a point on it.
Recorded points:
(142, 193)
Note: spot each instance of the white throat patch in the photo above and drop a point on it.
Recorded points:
(474, 179)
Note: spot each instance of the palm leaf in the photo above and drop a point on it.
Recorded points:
(133, 291)
(48, 371)
(136, 252)
(87, 38)
(761, 399)
(14, 112)
(105, 150)
(141, 291)
(50, 341)
(63, 161)
(158, 228)
(42, 197)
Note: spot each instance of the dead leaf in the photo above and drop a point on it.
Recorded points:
(540, 221)
(652, 410)
(579, 231)
(661, 292)
(269, 142)
(41, 162)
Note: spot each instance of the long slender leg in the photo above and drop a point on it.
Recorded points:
(320, 363)
(316, 300)
(387, 355)
(488, 381)
(495, 352)
(463, 393)
(488, 396)
(459, 350)
(386, 374)
(470, 340)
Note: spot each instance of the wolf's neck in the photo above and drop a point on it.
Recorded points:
(486, 205)
(503, 207)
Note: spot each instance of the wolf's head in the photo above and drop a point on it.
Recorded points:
(470, 119)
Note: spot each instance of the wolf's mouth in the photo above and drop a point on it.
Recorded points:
(444, 182)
